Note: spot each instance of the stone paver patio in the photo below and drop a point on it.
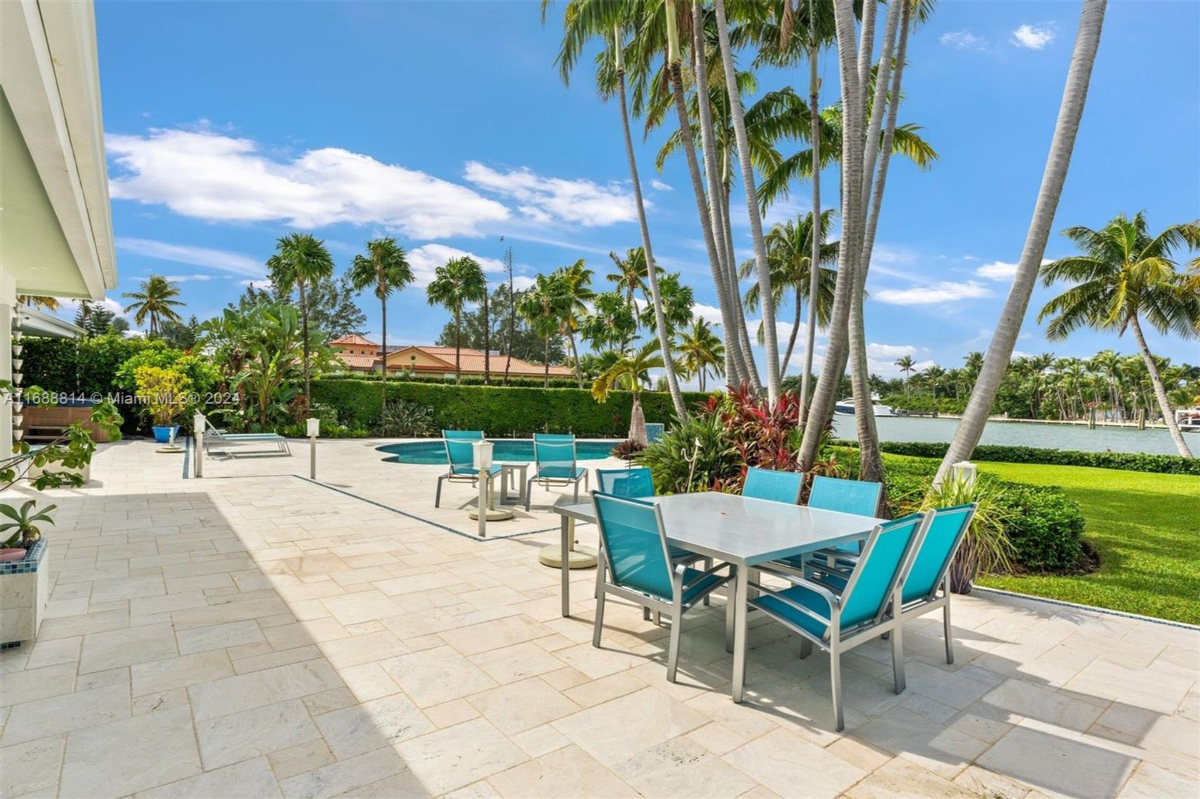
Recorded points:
(252, 635)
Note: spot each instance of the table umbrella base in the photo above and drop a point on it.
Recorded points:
(170, 448)
(493, 514)
(580, 557)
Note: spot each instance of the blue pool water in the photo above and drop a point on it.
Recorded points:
(507, 449)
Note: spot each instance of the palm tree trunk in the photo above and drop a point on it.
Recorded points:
(836, 351)
(770, 341)
(458, 343)
(659, 317)
(1160, 391)
(304, 327)
(787, 354)
(1008, 327)
(383, 354)
(814, 271)
(575, 356)
(727, 299)
(487, 340)
(512, 317)
(546, 364)
(637, 420)
(748, 366)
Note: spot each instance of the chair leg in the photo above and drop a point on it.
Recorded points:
(947, 631)
(599, 568)
(805, 648)
(576, 497)
(645, 613)
(529, 492)
(676, 635)
(437, 500)
(657, 619)
(599, 625)
(835, 681)
(898, 657)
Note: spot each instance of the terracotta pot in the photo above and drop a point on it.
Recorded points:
(8, 555)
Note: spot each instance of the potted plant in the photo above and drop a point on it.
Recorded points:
(165, 393)
(24, 576)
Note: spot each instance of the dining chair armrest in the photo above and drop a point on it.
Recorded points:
(834, 600)
(835, 557)
(798, 607)
(681, 570)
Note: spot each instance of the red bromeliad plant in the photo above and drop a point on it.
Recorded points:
(763, 435)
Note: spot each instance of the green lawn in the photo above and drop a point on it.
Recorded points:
(1146, 528)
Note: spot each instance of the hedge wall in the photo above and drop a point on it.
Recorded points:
(498, 410)
(1127, 461)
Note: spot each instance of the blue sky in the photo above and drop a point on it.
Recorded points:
(447, 126)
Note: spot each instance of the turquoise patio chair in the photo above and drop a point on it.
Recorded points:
(642, 571)
(460, 455)
(556, 464)
(633, 483)
(859, 497)
(654, 432)
(927, 586)
(773, 485)
(839, 615)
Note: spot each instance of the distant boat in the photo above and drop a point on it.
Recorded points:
(846, 407)
(1188, 420)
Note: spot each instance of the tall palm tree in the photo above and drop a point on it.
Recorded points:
(906, 364)
(576, 287)
(459, 281)
(631, 371)
(300, 260)
(1126, 277)
(386, 268)
(543, 307)
(155, 303)
(789, 254)
(1008, 327)
(701, 351)
(630, 277)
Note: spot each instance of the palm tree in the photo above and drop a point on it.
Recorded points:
(935, 376)
(300, 260)
(155, 302)
(789, 254)
(631, 370)
(543, 307)
(906, 364)
(385, 266)
(42, 303)
(701, 351)
(458, 282)
(1008, 327)
(1123, 278)
(576, 287)
(630, 277)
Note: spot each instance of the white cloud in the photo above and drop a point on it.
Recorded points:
(68, 307)
(945, 291)
(207, 175)
(997, 270)
(658, 185)
(264, 285)
(962, 39)
(890, 350)
(545, 200)
(223, 260)
(1034, 37)
(522, 282)
(187, 278)
(428, 257)
(709, 313)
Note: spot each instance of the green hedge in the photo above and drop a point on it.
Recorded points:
(1127, 461)
(498, 410)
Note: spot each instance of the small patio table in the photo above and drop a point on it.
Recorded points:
(738, 530)
(506, 475)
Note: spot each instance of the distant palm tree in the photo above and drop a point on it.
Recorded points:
(155, 303)
(300, 260)
(460, 281)
(630, 277)
(386, 268)
(575, 283)
(906, 364)
(43, 303)
(631, 371)
(701, 351)
(542, 306)
(934, 377)
(1125, 277)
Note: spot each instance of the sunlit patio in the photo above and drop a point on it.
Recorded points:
(252, 633)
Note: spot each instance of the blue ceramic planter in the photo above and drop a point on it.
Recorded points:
(162, 435)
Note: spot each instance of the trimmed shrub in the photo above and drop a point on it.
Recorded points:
(499, 411)
(1126, 461)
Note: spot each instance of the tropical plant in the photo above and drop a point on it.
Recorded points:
(385, 269)
(402, 418)
(701, 351)
(1126, 277)
(628, 450)
(693, 455)
(630, 371)
(24, 524)
(1008, 327)
(613, 322)
(764, 434)
(155, 303)
(72, 450)
(300, 260)
(165, 392)
(458, 282)
(543, 306)
(178, 335)
(575, 283)
(42, 303)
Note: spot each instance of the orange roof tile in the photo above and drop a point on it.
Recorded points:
(472, 361)
(352, 339)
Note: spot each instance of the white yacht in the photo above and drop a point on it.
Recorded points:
(846, 407)
(1188, 420)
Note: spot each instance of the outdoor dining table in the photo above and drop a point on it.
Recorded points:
(738, 530)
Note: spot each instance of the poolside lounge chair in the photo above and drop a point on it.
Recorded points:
(839, 614)
(773, 485)
(268, 444)
(642, 570)
(460, 455)
(556, 464)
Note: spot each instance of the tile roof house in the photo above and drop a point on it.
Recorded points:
(362, 355)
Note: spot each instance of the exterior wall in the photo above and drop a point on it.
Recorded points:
(402, 359)
(8, 299)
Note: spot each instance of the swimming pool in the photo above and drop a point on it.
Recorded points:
(507, 449)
